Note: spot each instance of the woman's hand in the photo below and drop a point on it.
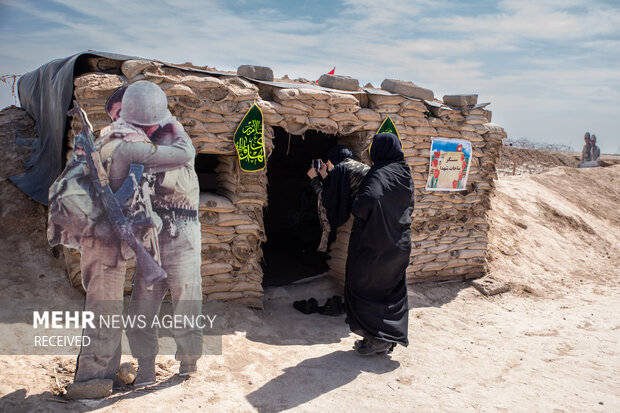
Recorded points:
(312, 173)
(330, 166)
(323, 170)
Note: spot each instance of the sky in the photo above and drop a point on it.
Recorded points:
(550, 68)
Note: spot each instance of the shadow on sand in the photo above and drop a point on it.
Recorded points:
(281, 325)
(21, 401)
(314, 377)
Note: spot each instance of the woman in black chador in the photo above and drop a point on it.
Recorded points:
(379, 250)
(342, 178)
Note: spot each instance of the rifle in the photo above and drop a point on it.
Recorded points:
(85, 141)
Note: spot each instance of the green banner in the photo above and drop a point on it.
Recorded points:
(249, 141)
(388, 127)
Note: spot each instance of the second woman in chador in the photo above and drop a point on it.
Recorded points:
(342, 177)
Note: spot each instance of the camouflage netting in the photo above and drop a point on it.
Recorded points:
(449, 228)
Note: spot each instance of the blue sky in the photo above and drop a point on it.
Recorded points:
(551, 69)
(450, 145)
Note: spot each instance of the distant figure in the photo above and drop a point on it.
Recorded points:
(595, 151)
(585, 152)
(590, 154)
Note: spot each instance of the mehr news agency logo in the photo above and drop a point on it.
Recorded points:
(86, 319)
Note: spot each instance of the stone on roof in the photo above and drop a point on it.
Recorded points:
(256, 72)
(407, 89)
(460, 100)
(339, 82)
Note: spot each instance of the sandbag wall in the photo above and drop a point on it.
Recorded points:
(449, 229)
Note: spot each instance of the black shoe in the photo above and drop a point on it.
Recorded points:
(307, 307)
(363, 341)
(374, 346)
(326, 309)
(187, 369)
(146, 372)
(333, 307)
(339, 304)
(359, 343)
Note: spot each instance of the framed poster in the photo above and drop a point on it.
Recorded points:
(449, 164)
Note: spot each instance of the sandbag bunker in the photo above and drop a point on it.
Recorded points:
(261, 228)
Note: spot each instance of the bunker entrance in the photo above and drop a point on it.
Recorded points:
(291, 220)
(205, 166)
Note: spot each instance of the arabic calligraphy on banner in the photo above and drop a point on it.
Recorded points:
(249, 141)
(387, 126)
(449, 164)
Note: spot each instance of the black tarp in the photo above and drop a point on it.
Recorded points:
(46, 93)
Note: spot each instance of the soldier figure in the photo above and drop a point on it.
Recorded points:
(176, 201)
(104, 257)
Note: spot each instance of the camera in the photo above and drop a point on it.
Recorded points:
(317, 164)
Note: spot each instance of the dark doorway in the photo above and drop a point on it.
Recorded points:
(205, 165)
(291, 220)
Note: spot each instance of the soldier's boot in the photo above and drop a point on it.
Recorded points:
(146, 372)
(187, 368)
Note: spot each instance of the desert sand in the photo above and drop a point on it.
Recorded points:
(551, 343)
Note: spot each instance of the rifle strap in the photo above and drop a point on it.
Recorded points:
(128, 188)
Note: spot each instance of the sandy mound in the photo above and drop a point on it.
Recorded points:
(29, 267)
(558, 229)
(550, 344)
(534, 161)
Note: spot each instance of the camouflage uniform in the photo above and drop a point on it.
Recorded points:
(176, 202)
(104, 259)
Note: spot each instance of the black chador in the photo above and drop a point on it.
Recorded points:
(380, 246)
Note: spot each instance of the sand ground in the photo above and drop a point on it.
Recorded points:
(549, 344)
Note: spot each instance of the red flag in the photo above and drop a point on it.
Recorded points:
(331, 72)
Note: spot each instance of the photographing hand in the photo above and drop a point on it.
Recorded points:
(312, 173)
(323, 170)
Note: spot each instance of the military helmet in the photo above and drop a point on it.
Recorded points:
(144, 104)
